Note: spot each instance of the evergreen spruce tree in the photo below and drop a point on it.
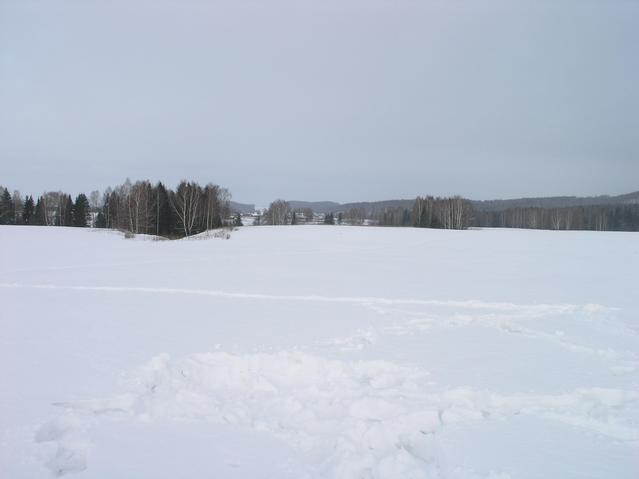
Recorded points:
(81, 211)
(329, 219)
(294, 219)
(406, 218)
(100, 220)
(40, 215)
(68, 212)
(6, 208)
(238, 220)
(164, 217)
(28, 211)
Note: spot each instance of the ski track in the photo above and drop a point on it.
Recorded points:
(628, 361)
(412, 322)
(473, 304)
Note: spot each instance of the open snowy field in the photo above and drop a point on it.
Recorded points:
(318, 351)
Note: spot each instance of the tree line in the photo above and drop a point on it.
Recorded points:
(459, 213)
(607, 217)
(53, 208)
(145, 208)
(427, 212)
(137, 208)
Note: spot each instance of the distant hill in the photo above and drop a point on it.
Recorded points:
(555, 202)
(316, 206)
(243, 208)
(371, 208)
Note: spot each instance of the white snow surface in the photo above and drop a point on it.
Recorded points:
(319, 352)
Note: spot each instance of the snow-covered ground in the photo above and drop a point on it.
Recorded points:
(319, 351)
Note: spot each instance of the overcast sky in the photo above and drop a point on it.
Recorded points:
(322, 100)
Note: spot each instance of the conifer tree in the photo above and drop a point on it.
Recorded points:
(68, 211)
(6, 208)
(329, 219)
(81, 211)
(28, 211)
(164, 218)
(100, 220)
(40, 215)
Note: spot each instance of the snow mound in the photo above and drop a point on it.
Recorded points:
(352, 419)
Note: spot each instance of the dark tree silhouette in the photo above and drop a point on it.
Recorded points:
(81, 211)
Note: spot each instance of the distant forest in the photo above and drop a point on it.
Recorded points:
(602, 213)
(606, 217)
(599, 213)
(189, 209)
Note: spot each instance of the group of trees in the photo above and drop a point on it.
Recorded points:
(458, 213)
(430, 212)
(619, 217)
(354, 216)
(138, 207)
(143, 208)
(329, 219)
(279, 212)
(454, 213)
(53, 208)
(427, 212)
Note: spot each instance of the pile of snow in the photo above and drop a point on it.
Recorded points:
(352, 418)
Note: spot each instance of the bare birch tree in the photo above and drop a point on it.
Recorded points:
(277, 212)
(186, 202)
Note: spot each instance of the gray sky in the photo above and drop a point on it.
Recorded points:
(327, 99)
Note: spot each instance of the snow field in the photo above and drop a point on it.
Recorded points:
(253, 358)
